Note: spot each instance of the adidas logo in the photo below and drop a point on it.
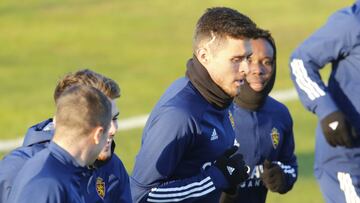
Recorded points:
(214, 135)
(334, 125)
(230, 169)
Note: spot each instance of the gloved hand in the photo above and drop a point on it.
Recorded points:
(337, 130)
(232, 165)
(228, 198)
(274, 177)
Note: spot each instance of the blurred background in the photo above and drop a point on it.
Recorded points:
(144, 46)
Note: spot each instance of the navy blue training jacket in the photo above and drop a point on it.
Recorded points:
(264, 134)
(183, 136)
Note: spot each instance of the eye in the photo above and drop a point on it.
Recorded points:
(268, 63)
(115, 118)
(239, 59)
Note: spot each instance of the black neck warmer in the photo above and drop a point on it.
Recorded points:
(202, 81)
(250, 99)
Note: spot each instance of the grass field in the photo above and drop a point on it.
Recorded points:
(144, 46)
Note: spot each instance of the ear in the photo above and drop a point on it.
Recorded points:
(98, 132)
(203, 55)
(54, 121)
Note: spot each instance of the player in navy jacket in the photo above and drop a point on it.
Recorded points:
(109, 181)
(189, 127)
(337, 106)
(264, 129)
(59, 172)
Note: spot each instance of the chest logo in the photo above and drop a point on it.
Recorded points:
(214, 135)
(275, 137)
(230, 170)
(231, 118)
(100, 187)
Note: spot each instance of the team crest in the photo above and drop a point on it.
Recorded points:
(100, 187)
(231, 118)
(275, 137)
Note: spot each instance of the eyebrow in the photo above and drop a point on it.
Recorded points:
(246, 54)
(117, 114)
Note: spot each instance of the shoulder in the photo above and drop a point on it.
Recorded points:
(114, 166)
(43, 188)
(15, 160)
(277, 108)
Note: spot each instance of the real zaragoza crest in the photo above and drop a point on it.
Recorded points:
(100, 187)
(275, 137)
(231, 118)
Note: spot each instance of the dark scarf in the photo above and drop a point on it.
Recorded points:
(250, 99)
(202, 81)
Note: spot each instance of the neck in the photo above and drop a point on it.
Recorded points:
(75, 149)
(202, 81)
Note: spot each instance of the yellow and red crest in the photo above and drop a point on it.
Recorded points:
(275, 137)
(100, 187)
(231, 118)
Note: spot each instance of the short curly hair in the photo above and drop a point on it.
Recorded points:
(221, 22)
(89, 78)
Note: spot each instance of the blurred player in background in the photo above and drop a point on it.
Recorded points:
(337, 104)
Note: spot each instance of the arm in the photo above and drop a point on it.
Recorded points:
(287, 160)
(331, 42)
(166, 138)
(11, 165)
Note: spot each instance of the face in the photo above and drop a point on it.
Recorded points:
(227, 64)
(260, 64)
(106, 151)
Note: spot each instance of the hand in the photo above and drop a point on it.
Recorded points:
(337, 130)
(273, 177)
(228, 198)
(232, 165)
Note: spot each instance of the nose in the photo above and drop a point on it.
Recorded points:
(113, 128)
(257, 68)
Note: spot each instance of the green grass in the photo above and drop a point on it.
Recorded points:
(144, 46)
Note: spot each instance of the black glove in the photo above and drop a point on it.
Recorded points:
(337, 130)
(274, 177)
(228, 198)
(232, 165)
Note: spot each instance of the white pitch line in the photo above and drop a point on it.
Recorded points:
(139, 121)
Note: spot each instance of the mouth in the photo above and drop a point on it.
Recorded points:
(257, 86)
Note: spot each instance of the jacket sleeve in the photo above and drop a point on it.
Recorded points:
(287, 160)
(332, 41)
(11, 165)
(165, 140)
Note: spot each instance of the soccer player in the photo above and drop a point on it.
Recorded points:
(264, 129)
(187, 144)
(336, 104)
(109, 181)
(57, 173)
